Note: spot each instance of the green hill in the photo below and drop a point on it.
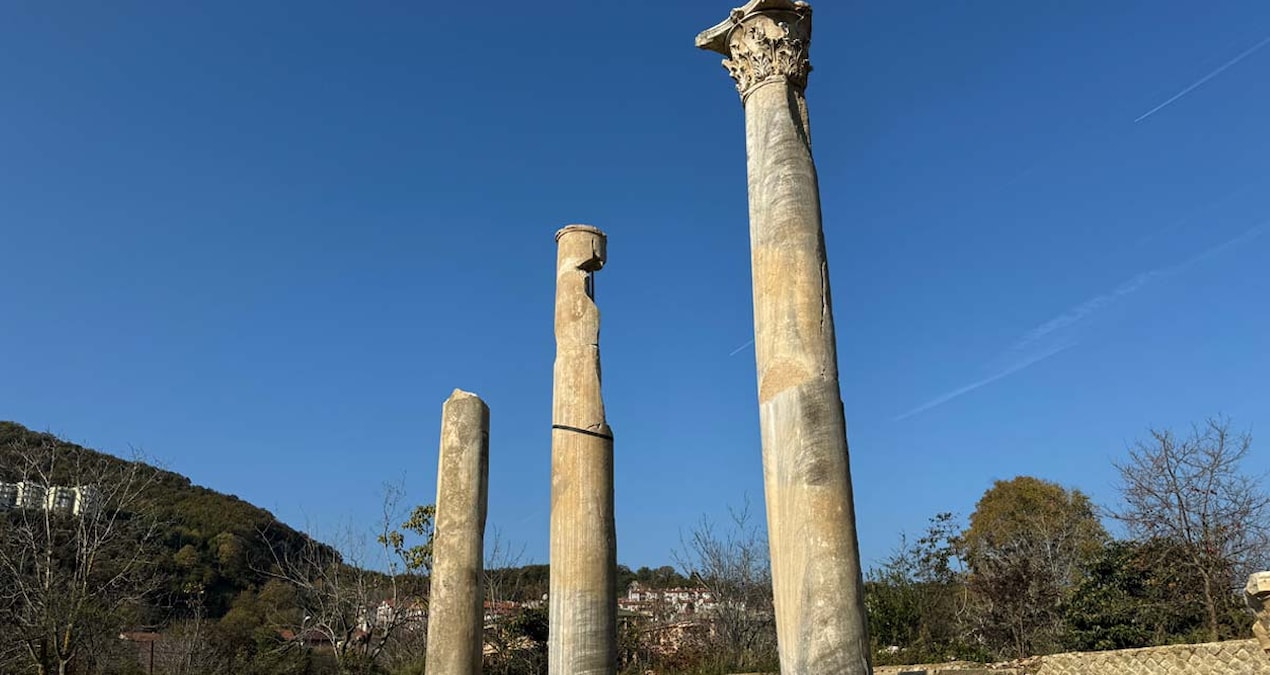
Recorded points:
(210, 545)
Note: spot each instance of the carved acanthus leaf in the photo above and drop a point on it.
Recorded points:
(766, 47)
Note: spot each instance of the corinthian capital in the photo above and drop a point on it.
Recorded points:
(765, 41)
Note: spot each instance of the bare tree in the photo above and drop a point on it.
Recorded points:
(76, 554)
(733, 564)
(408, 547)
(515, 630)
(1191, 492)
(185, 647)
(502, 556)
(359, 598)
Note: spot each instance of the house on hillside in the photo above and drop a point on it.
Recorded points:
(667, 603)
(391, 612)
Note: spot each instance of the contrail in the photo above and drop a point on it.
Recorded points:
(1078, 313)
(738, 349)
(1248, 52)
(1012, 369)
(1029, 342)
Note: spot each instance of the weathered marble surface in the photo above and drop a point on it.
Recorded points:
(455, 610)
(816, 574)
(583, 591)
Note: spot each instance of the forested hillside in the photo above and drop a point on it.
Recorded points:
(205, 541)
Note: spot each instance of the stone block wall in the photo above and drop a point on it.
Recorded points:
(1235, 657)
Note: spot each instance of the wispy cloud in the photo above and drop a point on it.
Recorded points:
(1196, 84)
(1080, 312)
(1010, 370)
(1038, 344)
(738, 350)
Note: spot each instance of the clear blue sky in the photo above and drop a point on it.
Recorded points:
(262, 242)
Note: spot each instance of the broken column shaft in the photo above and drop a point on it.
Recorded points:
(455, 610)
(818, 590)
(583, 598)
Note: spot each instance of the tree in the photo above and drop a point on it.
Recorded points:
(1190, 491)
(411, 558)
(662, 577)
(734, 566)
(916, 600)
(76, 554)
(1132, 595)
(344, 602)
(516, 638)
(1026, 545)
(247, 639)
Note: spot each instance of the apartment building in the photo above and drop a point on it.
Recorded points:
(8, 496)
(79, 500)
(31, 496)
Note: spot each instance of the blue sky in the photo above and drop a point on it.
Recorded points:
(263, 242)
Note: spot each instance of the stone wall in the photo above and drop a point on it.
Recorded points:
(958, 668)
(1235, 657)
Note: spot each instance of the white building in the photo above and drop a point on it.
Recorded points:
(79, 501)
(30, 496)
(675, 603)
(59, 499)
(87, 500)
(8, 496)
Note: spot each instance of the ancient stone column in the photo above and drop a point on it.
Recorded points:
(583, 599)
(455, 609)
(816, 579)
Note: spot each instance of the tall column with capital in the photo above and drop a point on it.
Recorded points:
(583, 599)
(816, 579)
(455, 616)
